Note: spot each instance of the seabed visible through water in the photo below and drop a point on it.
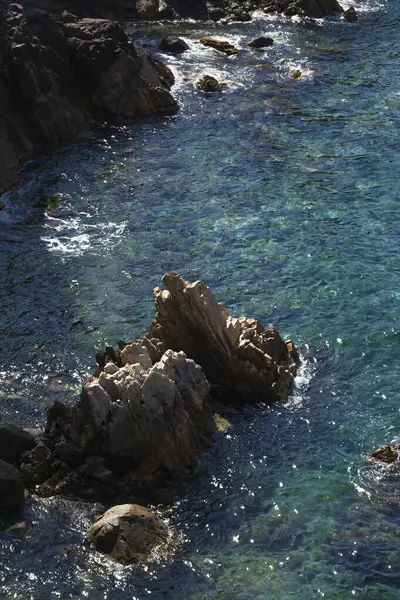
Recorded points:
(282, 195)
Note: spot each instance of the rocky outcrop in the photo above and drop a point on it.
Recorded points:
(207, 83)
(237, 354)
(11, 488)
(129, 533)
(132, 425)
(145, 415)
(14, 442)
(57, 73)
(386, 454)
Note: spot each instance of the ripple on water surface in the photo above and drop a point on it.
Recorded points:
(282, 194)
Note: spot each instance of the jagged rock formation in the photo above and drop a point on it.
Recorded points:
(57, 73)
(129, 533)
(132, 425)
(144, 415)
(238, 355)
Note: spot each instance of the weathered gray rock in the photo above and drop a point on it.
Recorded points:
(139, 420)
(11, 488)
(14, 442)
(56, 74)
(237, 354)
(128, 533)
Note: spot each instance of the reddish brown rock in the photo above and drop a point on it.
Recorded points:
(220, 45)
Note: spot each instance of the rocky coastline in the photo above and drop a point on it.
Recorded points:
(60, 69)
(59, 72)
(148, 414)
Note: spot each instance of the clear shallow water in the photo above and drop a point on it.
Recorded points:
(282, 195)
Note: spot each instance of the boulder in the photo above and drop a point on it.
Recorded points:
(220, 45)
(11, 488)
(58, 73)
(173, 45)
(128, 533)
(350, 15)
(261, 42)
(207, 83)
(386, 454)
(14, 442)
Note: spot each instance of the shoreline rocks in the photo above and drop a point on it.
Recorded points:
(58, 73)
(203, 10)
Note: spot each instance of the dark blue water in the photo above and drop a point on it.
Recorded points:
(282, 194)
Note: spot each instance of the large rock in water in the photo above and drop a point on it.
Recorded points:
(237, 354)
(11, 488)
(135, 423)
(128, 533)
(143, 416)
(56, 74)
(13, 442)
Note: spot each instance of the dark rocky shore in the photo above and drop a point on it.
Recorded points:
(57, 73)
(59, 70)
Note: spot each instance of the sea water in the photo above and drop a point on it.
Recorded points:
(282, 194)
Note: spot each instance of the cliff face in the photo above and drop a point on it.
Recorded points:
(57, 73)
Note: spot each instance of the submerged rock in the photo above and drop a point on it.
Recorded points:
(386, 454)
(11, 488)
(261, 42)
(128, 533)
(220, 45)
(207, 83)
(174, 45)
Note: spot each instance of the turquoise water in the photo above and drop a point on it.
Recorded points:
(282, 195)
